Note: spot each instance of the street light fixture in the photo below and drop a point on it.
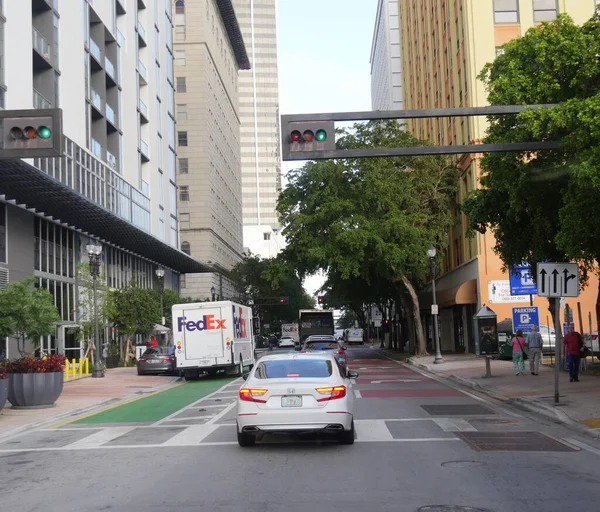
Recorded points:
(94, 251)
(213, 291)
(160, 274)
(431, 252)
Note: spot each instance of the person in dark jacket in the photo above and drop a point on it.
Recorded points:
(573, 342)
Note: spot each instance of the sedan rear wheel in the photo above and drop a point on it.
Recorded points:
(246, 439)
(347, 436)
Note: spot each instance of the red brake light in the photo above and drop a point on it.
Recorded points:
(333, 393)
(249, 395)
(167, 358)
(303, 351)
(340, 352)
(142, 359)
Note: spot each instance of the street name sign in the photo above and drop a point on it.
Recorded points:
(557, 280)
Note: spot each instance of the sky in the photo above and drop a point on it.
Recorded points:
(324, 48)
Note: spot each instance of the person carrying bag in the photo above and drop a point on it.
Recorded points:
(518, 345)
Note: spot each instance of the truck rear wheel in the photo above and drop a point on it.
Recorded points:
(191, 375)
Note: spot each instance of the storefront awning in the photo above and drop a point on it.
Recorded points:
(465, 293)
(26, 185)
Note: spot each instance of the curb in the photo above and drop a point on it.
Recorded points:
(74, 413)
(529, 405)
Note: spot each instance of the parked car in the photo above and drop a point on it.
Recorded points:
(325, 342)
(286, 342)
(157, 360)
(298, 394)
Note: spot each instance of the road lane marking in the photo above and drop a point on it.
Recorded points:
(191, 436)
(372, 430)
(582, 445)
(387, 381)
(217, 417)
(454, 425)
(357, 393)
(99, 438)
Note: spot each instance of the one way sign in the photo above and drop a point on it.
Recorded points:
(557, 279)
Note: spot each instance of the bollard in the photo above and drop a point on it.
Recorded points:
(66, 369)
(488, 368)
(87, 366)
(74, 368)
(80, 368)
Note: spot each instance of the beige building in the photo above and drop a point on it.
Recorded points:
(445, 44)
(259, 115)
(209, 51)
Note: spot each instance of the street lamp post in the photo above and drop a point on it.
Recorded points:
(94, 252)
(160, 274)
(434, 307)
(213, 291)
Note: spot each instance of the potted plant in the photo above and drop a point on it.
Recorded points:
(35, 382)
(113, 355)
(3, 384)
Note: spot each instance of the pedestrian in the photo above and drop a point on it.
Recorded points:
(535, 343)
(573, 342)
(518, 345)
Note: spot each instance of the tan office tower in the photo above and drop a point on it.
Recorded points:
(209, 52)
(445, 44)
(259, 115)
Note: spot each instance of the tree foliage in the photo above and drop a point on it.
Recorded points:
(84, 312)
(257, 279)
(27, 312)
(370, 220)
(538, 205)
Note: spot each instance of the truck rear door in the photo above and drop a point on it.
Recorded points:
(203, 331)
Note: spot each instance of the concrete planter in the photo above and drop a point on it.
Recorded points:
(3, 392)
(34, 390)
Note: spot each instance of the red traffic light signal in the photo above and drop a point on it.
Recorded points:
(284, 301)
(320, 299)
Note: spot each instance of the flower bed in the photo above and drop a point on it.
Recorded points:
(35, 382)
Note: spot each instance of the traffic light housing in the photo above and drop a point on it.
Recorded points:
(31, 133)
(298, 137)
(284, 301)
(320, 299)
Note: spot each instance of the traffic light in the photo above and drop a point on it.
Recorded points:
(284, 301)
(31, 133)
(321, 299)
(309, 136)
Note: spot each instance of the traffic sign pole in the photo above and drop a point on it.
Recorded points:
(557, 360)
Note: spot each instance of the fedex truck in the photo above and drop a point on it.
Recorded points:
(355, 335)
(290, 330)
(211, 337)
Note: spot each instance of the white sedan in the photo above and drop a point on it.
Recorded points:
(287, 342)
(296, 393)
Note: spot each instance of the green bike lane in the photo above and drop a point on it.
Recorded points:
(156, 406)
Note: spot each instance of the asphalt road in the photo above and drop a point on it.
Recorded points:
(420, 443)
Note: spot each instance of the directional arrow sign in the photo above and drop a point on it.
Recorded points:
(558, 279)
(385, 381)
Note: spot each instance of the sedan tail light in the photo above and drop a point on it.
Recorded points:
(332, 393)
(339, 352)
(250, 395)
(142, 359)
(168, 358)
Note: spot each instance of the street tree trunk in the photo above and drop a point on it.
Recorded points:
(415, 316)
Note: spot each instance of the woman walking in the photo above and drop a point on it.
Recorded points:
(518, 344)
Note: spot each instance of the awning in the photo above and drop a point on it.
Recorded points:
(465, 293)
(23, 184)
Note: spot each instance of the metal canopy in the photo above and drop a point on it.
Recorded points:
(234, 33)
(26, 185)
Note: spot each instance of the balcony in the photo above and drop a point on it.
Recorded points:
(97, 148)
(143, 108)
(96, 101)
(143, 72)
(39, 101)
(111, 72)
(95, 52)
(111, 115)
(111, 160)
(144, 151)
(141, 35)
(42, 47)
(121, 7)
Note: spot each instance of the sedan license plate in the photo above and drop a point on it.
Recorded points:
(153, 361)
(291, 401)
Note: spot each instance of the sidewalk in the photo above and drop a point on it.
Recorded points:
(83, 396)
(579, 406)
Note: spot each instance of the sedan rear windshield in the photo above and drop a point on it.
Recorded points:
(321, 345)
(294, 368)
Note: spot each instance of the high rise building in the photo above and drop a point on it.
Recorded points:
(259, 116)
(386, 61)
(209, 52)
(445, 45)
(109, 66)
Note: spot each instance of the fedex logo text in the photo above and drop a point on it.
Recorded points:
(207, 323)
(239, 324)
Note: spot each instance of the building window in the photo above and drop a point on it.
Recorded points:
(506, 11)
(266, 236)
(180, 57)
(544, 10)
(183, 166)
(181, 112)
(181, 86)
(184, 193)
(3, 233)
(180, 7)
(182, 139)
(185, 247)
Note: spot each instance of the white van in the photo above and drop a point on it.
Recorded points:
(211, 337)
